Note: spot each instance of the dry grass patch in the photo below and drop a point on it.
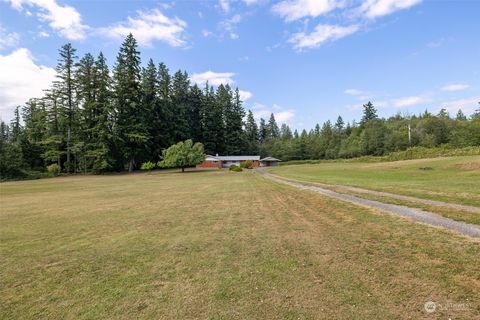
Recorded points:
(219, 245)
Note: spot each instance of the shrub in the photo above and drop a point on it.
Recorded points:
(148, 166)
(247, 164)
(235, 168)
(53, 169)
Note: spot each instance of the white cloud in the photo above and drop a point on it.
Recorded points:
(43, 34)
(149, 26)
(63, 18)
(292, 10)
(377, 8)
(224, 5)
(245, 95)
(409, 101)
(284, 116)
(10, 39)
(281, 115)
(251, 2)
(229, 26)
(455, 87)
(20, 79)
(359, 94)
(321, 34)
(468, 105)
(213, 78)
(206, 33)
(353, 92)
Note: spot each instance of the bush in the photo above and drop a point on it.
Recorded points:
(247, 164)
(235, 168)
(53, 169)
(148, 166)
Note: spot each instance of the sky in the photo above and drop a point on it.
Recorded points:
(307, 61)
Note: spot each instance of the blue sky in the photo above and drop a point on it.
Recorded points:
(307, 61)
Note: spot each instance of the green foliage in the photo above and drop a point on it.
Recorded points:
(53, 169)
(409, 154)
(90, 121)
(235, 168)
(247, 164)
(183, 154)
(369, 112)
(147, 166)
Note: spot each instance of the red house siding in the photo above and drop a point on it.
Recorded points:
(218, 164)
(210, 164)
(255, 163)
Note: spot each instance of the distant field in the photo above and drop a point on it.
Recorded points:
(453, 179)
(222, 245)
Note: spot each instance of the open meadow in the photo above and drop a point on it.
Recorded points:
(223, 245)
(452, 179)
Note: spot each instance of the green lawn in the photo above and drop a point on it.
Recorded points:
(219, 245)
(454, 179)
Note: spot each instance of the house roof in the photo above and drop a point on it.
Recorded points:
(270, 159)
(234, 158)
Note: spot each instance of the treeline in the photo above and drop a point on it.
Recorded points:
(94, 119)
(374, 136)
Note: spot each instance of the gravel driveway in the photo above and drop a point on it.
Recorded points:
(415, 214)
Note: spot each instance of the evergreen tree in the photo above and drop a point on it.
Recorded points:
(163, 115)
(285, 132)
(369, 113)
(461, 116)
(15, 125)
(234, 137)
(273, 131)
(180, 95)
(131, 131)
(339, 125)
(149, 88)
(263, 131)
(213, 122)
(195, 114)
(251, 133)
(102, 150)
(65, 89)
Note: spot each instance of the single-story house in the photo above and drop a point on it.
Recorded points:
(269, 162)
(227, 161)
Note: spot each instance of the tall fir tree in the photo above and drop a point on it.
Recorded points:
(235, 142)
(263, 131)
(164, 118)
(251, 133)
(273, 131)
(131, 131)
(195, 113)
(64, 87)
(180, 93)
(369, 113)
(149, 102)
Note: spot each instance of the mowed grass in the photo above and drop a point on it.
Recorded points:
(454, 180)
(220, 245)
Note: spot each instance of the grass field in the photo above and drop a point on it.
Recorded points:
(220, 245)
(453, 179)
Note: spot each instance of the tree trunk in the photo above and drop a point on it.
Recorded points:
(131, 166)
(68, 150)
(183, 169)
